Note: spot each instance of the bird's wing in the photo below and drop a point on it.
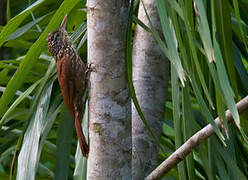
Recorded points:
(67, 86)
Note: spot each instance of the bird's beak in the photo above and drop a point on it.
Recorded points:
(63, 24)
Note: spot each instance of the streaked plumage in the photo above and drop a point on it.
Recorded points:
(71, 74)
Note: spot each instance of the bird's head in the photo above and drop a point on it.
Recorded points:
(58, 39)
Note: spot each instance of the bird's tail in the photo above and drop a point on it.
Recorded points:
(82, 141)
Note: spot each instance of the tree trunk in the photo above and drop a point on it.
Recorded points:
(109, 100)
(150, 77)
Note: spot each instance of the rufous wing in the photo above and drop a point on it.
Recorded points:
(66, 83)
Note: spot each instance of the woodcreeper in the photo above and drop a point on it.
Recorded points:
(71, 73)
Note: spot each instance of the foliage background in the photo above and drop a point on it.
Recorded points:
(197, 33)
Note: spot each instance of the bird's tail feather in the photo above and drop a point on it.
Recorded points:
(82, 141)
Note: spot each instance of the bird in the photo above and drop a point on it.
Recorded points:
(71, 73)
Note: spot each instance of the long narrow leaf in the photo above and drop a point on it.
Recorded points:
(64, 141)
(237, 14)
(204, 31)
(225, 85)
(224, 30)
(18, 101)
(28, 157)
(80, 172)
(177, 120)
(32, 55)
(20, 31)
(16, 21)
(172, 50)
(195, 58)
(128, 54)
(189, 129)
(205, 111)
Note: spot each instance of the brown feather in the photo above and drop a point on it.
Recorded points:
(71, 75)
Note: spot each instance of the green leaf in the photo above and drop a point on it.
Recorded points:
(18, 101)
(64, 141)
(224, 30)
(20, 31)
(177, 120)
(189, 124)
(141, 24)
(205, 111)
(16, 21)
(237, 14)
(128, 56)
(34, 52)
(204, 31)
(242, 72)
(192, 48)
(225, 85)
(172, 53)
(174, 5)
(29, 154)
(8, 13)
(82, 28)
(18, 43)
(80, 171)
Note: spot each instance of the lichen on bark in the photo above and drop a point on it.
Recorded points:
(150, 77)
(109, 100)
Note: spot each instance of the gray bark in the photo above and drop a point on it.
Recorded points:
(109, 101)
(150, 77)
